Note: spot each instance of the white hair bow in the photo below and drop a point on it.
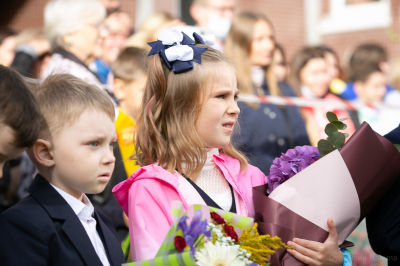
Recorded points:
(177, 52)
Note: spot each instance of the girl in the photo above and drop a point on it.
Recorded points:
(266, 130)
(183, 145)
(310, 79)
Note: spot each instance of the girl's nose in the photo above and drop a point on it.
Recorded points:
(233, 108)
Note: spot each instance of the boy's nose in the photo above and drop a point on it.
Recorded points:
(109, 157)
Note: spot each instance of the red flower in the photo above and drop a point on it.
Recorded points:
(217, 219)
(180, 243)
(230, 231)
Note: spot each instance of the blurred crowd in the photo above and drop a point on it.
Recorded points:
(97, 42)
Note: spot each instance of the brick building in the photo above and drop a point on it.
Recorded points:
(341, 24)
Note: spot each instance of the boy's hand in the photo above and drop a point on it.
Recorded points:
(315, 253)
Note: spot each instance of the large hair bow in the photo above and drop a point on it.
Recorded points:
(178, 50)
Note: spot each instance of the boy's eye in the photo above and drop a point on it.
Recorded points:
(94, 143)
(113, 144)
(236, 98)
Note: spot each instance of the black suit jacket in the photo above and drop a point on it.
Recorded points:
(383, 222)
(43, 229)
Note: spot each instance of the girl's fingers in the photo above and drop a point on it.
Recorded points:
(301, 257)
(333, 236)
(303, 250)
(316, 246)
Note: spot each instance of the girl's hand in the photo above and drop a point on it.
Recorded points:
(315, 253)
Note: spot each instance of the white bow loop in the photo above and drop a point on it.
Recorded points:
(179, 52)
(170, 36)
(209, 39)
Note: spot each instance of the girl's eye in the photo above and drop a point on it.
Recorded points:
(222, 96)
(94, 143)
(236, 98)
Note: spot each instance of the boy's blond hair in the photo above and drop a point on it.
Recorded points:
(62, 98)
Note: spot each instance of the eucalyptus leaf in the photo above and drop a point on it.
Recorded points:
(397, 147)
(344, 119)
(337, 139)
(325, 147)
(346, 135)
(331, 117)
(330, 128)
(339, 125)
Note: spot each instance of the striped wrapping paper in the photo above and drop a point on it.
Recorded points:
(167, 255)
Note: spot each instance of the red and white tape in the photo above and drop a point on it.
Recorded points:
(300, 102)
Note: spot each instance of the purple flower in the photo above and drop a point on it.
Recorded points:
(289, 164)
(196, 228)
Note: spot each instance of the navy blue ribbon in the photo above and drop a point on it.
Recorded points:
(158, 47)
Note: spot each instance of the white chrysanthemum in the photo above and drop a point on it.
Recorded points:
(218, 254)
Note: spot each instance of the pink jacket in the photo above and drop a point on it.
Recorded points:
(146, 199)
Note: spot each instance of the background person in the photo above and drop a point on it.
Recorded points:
(266, 130)
(72, 28)
(32, 53)
(20, 121)
(281, 67)
(7, 46)
(365, 56)
(117, 27)
(151, 28)
(310, 79)
(215, 17)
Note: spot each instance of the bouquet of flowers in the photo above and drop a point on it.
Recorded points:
(207, 236)
(339, 180)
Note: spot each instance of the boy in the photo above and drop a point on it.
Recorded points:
(56, 224)
(370, 88)
(20, 117)
(129, 80)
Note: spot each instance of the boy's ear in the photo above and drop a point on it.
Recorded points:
(119, 89)
(43, 152)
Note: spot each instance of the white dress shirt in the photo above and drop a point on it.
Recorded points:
(84, 210)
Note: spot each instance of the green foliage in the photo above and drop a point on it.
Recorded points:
(335, 138)
(330, 129)
(331, 117)
(397, 146)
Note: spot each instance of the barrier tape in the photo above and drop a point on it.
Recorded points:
(300, 102)
(295, 101)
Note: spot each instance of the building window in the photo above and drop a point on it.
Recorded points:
(356, 15)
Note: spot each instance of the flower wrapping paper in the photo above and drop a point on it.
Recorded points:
(167, 255)
(344, 185)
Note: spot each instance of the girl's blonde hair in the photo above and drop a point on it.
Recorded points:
(171, 104)
(238, 49)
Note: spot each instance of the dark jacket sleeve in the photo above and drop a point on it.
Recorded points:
(383, 222)
(23, 63)
(19, 236)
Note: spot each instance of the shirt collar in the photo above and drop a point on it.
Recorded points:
(76, 205)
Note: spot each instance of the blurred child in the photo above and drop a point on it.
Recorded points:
(310, 78)
(20, 117)
(370, 88)
(56, 223)
(365, 56)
